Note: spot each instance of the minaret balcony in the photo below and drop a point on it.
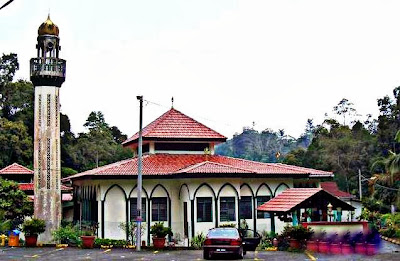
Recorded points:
(48, 71)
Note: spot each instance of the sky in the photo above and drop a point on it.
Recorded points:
(226, 63)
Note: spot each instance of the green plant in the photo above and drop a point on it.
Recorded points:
(5, 224)
(33, 226)
(198, 240)
(267, 239)
(88, 228)
(158, 230)
(297, 232)
(68, 234)
(244, 225)
(227, 225)
(131, 227)
(98, 242)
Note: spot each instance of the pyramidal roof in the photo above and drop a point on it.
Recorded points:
(15, 168)
(174, 125)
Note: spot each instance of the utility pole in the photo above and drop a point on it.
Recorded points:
(359, 184)
(139, 179)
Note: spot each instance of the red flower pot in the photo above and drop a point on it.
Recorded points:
(323, 247)
(159, 242)
(360, 249)
(347, 249)
(88, 241)
(294, 243)
(372, 249)
(31, 240)
(335, 249)
(312, 246)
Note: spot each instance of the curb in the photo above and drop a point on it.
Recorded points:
(391, 240)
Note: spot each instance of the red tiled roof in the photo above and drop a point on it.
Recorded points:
(176, 125)
(170, 164)
(15, 168)
(288, 199)
(29, 186)
(332, 188)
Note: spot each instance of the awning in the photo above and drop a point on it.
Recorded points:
(297, 198)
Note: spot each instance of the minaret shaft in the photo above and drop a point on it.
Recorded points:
(47, 159)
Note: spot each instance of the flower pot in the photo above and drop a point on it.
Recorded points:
(335, 249)
(372, 249)
(275, 242)
(294, 243)
(159, 242)
(88, 241)
(13, 240)
(347, 249)
(360, 249)
(31, 240)
(312, 246)
(323, 247)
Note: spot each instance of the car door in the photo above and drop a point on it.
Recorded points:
(251, 239)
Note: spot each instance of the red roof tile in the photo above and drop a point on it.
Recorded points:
(29, 186)
(170, 164)
(288, 199)
(15, 168)
(332, 188)
(176, 125)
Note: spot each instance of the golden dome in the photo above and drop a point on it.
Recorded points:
(48, 27)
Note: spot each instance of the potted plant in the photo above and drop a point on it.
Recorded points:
(32, 228)
(67, 235)
(88, 232)
(297, 235)
(159, 232)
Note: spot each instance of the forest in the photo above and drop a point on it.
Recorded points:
(342, 143)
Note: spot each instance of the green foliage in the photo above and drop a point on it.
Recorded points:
(131, 227)
(198, 241)
(5, 224)
(98, 242)
(33, 226)
(158, 230)
(267, 239)
(297, 232)
(14, 203)
(88, 228)
(68, 234)
(228, 225)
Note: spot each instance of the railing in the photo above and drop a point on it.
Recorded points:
(48, 67)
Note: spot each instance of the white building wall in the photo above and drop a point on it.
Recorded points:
(114, 213)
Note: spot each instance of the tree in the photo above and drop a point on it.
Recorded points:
(344, 108)
(14, 202)
(15, 143)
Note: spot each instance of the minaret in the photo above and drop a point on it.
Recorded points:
(47, 75)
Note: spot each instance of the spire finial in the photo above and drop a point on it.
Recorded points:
(172, 100)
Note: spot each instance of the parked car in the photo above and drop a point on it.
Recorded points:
(223, 241)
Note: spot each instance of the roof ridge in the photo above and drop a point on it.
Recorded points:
(194, 166)
(17, 165)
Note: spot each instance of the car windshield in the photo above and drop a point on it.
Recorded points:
(223, 233)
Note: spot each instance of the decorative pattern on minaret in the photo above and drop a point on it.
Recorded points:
(57, 110)
(39, 171)
(48, 110)
(40, 110)
(48, 162)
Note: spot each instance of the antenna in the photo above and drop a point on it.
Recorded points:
(172, 100)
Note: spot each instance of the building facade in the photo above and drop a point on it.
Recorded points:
(185, 185)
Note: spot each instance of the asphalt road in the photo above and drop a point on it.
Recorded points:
(387, 252)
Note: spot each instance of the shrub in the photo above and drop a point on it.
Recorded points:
(33, 226)
(68, 234)
(98, 242)
(158, 230)
(297, 232)
(198, 241)
(131, 228)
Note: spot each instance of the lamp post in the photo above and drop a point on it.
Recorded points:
(139, 179)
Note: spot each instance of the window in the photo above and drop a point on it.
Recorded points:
(245, 208)
(204, 212)
(227, 209)
(261, 200)
(134, 209)
(159, 209)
